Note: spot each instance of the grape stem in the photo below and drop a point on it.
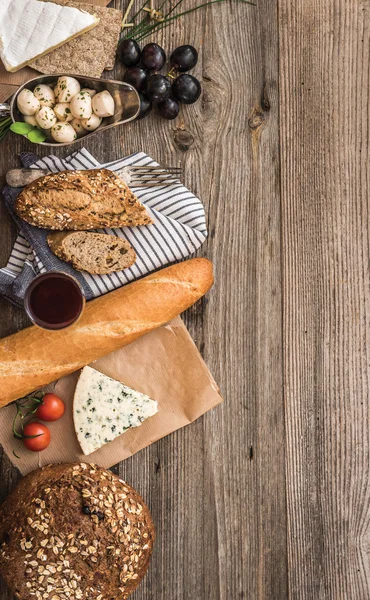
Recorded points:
(172, 74)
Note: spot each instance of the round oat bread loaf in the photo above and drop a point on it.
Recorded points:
(74, 531)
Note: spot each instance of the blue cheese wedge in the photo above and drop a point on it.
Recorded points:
(104, 408)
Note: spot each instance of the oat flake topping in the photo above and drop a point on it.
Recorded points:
(85, 535)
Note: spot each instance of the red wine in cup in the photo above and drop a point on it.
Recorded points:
(54, 300)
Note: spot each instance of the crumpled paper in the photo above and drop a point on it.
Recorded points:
(165, 364)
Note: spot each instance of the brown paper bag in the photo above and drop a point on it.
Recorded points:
(9, 82)
(165, 364)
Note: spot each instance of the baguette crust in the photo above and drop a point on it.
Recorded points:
(35, 357)
(80, 200)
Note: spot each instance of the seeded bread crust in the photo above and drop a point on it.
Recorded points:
(96, 253)
(74, 531)
(80, 200)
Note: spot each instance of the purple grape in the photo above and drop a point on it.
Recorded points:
(136, 77)
(169, 108)
(184, 58)
(186, 89)
(145, 107)
(158, 88)
(129, 53)
(153, 57)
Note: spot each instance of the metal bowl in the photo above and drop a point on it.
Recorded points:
(126, 103)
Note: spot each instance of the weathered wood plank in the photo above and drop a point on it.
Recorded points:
(217, 488)
(324, 69)
(221, 514)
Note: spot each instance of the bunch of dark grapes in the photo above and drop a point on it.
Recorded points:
(165, 92)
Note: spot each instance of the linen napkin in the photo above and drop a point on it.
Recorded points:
(179, 229)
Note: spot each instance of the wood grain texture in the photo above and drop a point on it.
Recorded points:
(324, 61)
(266, 497)
(216, 488)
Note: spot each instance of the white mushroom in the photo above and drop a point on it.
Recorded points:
(92, 123)
(81, 106)
(66, 88)
(103, 104)
(63, 111)
(63, 132)
(89, 91)
(27, 103)
(31, 120)
(45, 95)
(77, 126)
(46, 117)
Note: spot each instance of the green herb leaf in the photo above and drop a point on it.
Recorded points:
(147, 26)
(25, 409)
(21, 128)
(36, 136)
(5, 127)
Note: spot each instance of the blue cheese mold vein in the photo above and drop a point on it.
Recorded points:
(104, 408)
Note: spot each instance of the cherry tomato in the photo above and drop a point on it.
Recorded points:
(51, 409)
(39, 443)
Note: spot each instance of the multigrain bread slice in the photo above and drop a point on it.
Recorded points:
(74, 531)
(80, 200)
(96, 253)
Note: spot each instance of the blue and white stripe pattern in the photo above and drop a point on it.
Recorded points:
(179, 230)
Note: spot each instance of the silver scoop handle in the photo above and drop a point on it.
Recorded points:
(21, 177)
(4, 110)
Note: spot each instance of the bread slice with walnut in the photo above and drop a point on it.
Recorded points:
(96, 253)
(79, 201)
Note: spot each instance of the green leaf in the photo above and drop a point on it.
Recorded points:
(21, 128)
(26, 408)
(36, 136)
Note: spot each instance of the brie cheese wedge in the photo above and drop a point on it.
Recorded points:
(30, 29)
(104, 408)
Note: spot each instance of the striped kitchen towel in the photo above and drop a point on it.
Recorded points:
(179, 230)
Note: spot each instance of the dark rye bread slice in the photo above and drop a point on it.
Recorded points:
(74, 531)
(96, 253)
(80, 200)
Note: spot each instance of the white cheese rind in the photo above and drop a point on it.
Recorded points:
(30, 29)
(104, 408)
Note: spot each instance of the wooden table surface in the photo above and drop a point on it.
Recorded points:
(267, 496)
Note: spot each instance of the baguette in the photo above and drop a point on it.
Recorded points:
(35, 357)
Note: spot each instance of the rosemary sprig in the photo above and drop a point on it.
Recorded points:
(26, 408)
(4, 127)
(145, 23)
(145, 27)
(140, 10)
